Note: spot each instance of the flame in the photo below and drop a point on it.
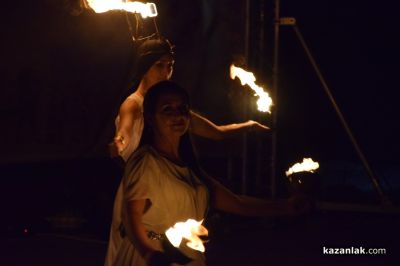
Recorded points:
(264, 102)
(190, 230)
(145, 9)
(308, 165)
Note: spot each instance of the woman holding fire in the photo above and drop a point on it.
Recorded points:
(163, 184)
(154, 64)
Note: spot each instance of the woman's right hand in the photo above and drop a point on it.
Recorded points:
(120, 143)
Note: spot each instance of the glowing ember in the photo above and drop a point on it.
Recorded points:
(145, 9)
(264, 102)
(308, 165)
(190, 230)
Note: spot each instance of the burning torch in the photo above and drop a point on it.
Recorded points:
(142, 11)
(303, 179)
(264, 104)
(146, 10)
(191, 231)
(264, 101)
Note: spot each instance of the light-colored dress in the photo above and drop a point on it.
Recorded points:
(137, 128)
(176, 194)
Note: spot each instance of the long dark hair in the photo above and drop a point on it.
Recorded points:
(147, 52)
(186, 149)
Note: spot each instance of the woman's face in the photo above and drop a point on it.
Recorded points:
(161, 70)
(171, 118)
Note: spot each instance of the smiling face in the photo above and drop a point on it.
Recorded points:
(161, 70)
(172, 116)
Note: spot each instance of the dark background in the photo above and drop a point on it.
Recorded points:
(64, 74)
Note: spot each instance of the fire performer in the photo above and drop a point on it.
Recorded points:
(164, 184)
(155, 63)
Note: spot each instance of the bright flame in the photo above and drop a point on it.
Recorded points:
(145, 9)
(190, 230)
(308, 165)
(264, 102)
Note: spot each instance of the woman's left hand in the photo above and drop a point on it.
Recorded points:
(255, 126)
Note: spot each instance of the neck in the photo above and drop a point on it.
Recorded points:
(143, 87)
(168, 148)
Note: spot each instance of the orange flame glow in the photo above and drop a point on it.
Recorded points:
(145, 9)
(264, 102)
(190, 230)
(308, 165)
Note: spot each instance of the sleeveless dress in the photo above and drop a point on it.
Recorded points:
(137, 129)
(175, 193)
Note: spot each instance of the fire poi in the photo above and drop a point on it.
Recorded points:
(144, 9)
(264, 102)
(302, 178)
(308, 165)
(190, 230)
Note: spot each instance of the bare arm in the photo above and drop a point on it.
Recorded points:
(128, 113)
(135, 212)
(227, 201)
(203, 127)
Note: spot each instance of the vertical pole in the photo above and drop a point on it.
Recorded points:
(275, 97)
(244, 141)
(247, 31)
(259, 153)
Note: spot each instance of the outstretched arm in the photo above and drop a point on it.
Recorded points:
(227, 201)
(203, 127)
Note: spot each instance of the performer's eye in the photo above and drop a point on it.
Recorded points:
(182, 109)
(167, 110)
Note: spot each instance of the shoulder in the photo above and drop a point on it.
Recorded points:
(143, 159)
(130, 105)
(140, 175)
(140, 156)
